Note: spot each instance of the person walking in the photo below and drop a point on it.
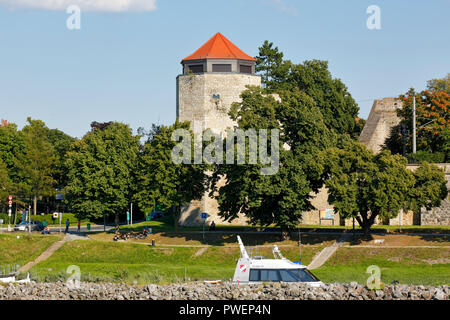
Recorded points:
(67, 225)
(79, 226)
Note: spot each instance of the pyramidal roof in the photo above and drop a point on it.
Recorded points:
(219, 47)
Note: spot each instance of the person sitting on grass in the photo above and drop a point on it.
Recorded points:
(46, 230)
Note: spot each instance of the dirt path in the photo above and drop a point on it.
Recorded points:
(401, 247)
(50, 250)
(326, 253)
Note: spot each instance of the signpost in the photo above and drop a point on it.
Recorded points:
(204, 216)
(1, 225)
(131, 210)
(9, 212)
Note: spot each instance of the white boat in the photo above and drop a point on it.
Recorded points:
(250, 270)
(12, 279)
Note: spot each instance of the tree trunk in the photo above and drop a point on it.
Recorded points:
(284, 234)
(116, 219)
(176, 217)
(366, 222)
(35, 204)
(15, 216)
(366, 228)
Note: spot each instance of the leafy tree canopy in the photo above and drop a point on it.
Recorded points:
(101, 171)
(365, 185)
(12, 146)
(442, 84)
(61, 143)
(331, 96)
(160, 180)
(279, 198)
(432, 125)
(5, 183)
(39, 160)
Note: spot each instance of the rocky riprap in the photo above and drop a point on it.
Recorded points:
(224, 291)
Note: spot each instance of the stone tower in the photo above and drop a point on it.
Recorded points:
(213, 78)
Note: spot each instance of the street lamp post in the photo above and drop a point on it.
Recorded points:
(414, 125)
(29, 219)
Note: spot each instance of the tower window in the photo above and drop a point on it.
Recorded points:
(198, 68)
(221, 67)
(245, 69)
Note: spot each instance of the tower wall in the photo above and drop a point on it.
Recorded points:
(205, 100)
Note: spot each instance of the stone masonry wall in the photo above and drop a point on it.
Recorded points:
(437, 216)
(382, 118)
(205, 100)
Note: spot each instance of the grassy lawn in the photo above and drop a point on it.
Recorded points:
(26, 248)
(426, 266)
(125, 262)
(165, 224)
(222, 239)
(163, 233)
(415, 229)
(402, 240)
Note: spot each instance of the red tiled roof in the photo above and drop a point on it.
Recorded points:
(219, 47)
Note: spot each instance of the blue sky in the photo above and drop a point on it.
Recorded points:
(122, 64)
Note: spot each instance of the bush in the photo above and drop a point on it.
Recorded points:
(47, 217)
(4, 217)
(425, 156)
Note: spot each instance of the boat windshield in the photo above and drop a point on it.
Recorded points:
(285, 275)
(303, 275)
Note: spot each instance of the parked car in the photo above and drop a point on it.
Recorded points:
(24, 225)
(156, 214)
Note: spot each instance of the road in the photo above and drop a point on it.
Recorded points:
(72, 229)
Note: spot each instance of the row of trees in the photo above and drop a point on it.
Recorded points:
(100, 174)
(31, 163)
(109, 167)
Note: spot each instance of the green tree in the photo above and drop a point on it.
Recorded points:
(442, 84)
(101, 171)
(39, 161)
(429, 189)
(61, 143)
(12, 146)
(279, 198)
(432, 126)
(336, 104)
(162, 181)
(269, 61)
(365, 185)
(5, 184)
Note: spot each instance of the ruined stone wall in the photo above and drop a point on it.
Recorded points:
(439, 216)
(320, 202)
(382, 118)
(205, 100)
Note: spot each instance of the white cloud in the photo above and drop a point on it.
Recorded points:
(85, 5)
(282, 6)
